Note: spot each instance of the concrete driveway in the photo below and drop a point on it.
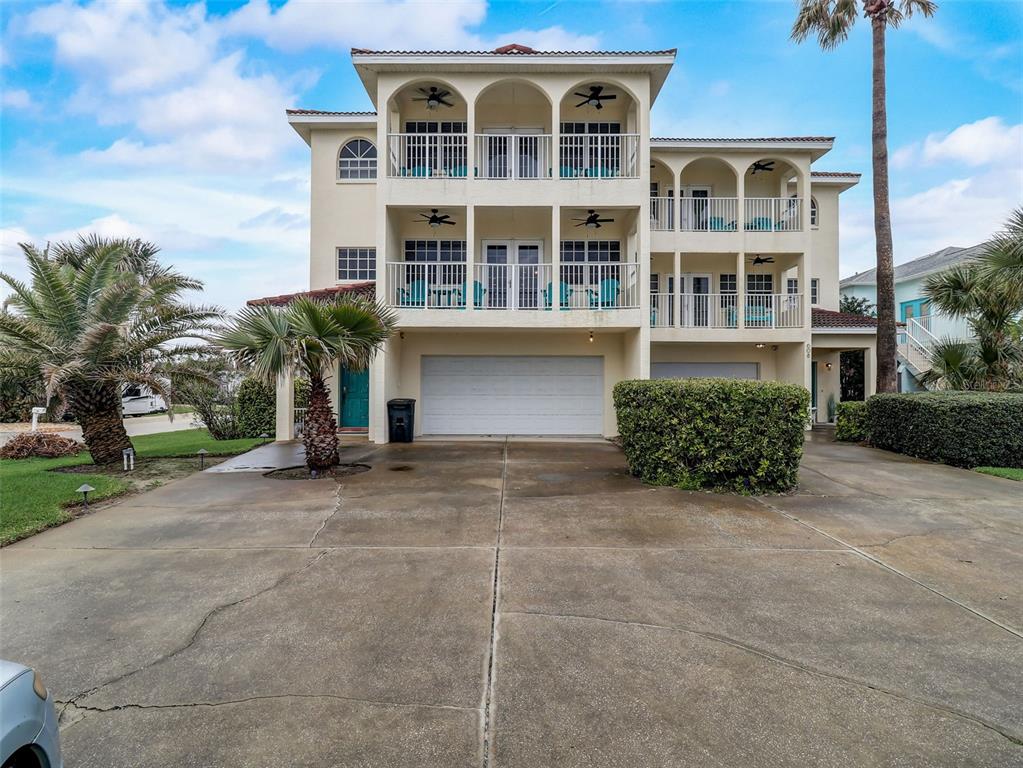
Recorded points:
(872, 619)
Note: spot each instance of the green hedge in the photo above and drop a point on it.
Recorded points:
(257, 408)
(965, 429)
(851, 422)
(722, 434)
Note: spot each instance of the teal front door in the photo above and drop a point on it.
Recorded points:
(355, 399)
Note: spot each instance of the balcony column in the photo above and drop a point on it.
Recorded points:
(470, 258)
(285, 408)
(803, 282)
(676, 216)
(740, 289)
(676, 312)
(470, 139)
(740, 200)
(555, 297)
(555, 158)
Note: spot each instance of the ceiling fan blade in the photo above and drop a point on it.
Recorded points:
(608, 97)
(424, 98)
(583, 95)
(597, 224)
(443, 217)
(447, 222)
(423, 91)
(581, 224)
(445, 103)
(596, 90)
(583, 103)
(605, 221)
(442, 93)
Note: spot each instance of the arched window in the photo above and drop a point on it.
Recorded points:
(813, 211)
(357, 160)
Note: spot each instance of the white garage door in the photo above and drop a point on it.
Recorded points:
(703, 370)
(469, 395)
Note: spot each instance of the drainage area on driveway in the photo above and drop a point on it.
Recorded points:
(531, 604)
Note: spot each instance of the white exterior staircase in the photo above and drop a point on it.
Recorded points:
(915, 343)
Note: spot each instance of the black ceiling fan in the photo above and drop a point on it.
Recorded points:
(434, 97)
(763, 260)
(762, 165)
(592, 220)
(595, 97)
(434, 220)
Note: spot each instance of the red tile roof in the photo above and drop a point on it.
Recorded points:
(828, 318)
(359, 289)
(836, 174)
(740, 141)
(323, 112)
(512, 49)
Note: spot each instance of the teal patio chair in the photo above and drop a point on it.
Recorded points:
(607, 295)
(477, 294)
(414, 295)
(760, 224)
(566, 295)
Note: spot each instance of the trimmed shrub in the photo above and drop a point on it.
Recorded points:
(851, 422)
(257, 408)
(47, 445)
(722, 434)
(965, 429)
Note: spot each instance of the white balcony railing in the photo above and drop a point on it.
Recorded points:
(774, 214)
(708, 310)
(427, 155)
(513, 156)
(600, 156)
(709, 214)
(443, 285)
(777, 310)
(662, 214)
(662, 310)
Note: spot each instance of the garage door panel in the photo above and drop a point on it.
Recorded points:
(690, 370)
(526, 395)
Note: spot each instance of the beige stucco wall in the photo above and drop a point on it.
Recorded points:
(404, 358)
(824, 239)
(341, 213)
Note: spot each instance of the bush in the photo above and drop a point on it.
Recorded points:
(257, 408)
(851, 423)
(723, 434)
(965, 429)
(46, 445)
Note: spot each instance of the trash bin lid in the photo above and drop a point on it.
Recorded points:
(401, 401)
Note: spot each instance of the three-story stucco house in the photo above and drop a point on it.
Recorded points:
(538, 245)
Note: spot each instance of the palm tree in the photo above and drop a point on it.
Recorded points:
(1003, 256)
(831, 21)
(88, 324)
(310, 337)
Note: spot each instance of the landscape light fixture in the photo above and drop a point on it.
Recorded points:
(84, 490)
(202, 458)
(128, 455)
(264, 437)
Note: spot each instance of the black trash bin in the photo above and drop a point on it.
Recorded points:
(401, 420)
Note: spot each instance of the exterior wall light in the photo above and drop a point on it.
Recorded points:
(760, 346)
(828, 366)
(128, 455)
(591, 337)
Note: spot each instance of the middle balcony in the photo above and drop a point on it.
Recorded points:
(499, 267)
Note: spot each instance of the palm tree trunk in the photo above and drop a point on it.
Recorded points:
(97, 408)
(886, 346)
(320, 436)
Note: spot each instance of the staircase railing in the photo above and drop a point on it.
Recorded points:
(916, 344)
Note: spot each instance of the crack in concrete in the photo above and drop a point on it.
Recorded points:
(923, 534)
(196, 632)
(82, 708)
(489, 687)
(790, 663)
(892, 569)
(328, 518)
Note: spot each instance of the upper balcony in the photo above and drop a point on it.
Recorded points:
(709, 207)
(513, 131)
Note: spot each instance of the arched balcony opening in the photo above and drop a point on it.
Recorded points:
(768, 205)
(662, 197)
(599, 131)
(426, 124)
(513, 132)
(708, 193)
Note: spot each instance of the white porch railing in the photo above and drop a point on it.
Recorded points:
(662, 214)
(429, 285)
(600, 286)
(708, 310)
(662, 306)
(774, 310)
(774, 214)
(709, 214)
(916, 343)
(513, 156)
(513, 286)
(599, 155)
(427, 155)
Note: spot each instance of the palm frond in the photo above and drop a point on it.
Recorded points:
(829, 20)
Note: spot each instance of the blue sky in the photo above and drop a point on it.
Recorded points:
(166, 120)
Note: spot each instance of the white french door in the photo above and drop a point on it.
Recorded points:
(514, 276)
(695, 305)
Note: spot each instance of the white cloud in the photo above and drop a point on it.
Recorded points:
(16, 98)
(986, 141)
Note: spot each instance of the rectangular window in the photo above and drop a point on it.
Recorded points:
(814, 290)
(434, 126)
(759, 283)
(654, 282)
(448, 254)
(792, 285)
(728, 284)
(587, 251)
(356, 263)
(605, 128)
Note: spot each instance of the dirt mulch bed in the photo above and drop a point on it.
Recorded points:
(302, 473)
(148, 473)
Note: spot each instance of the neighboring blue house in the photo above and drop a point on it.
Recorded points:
(923, 326)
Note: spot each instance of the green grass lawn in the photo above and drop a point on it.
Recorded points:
(1010, 473)
(33, 498)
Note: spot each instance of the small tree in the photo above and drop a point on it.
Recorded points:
(310, 337)
(856, 305)
(257, 403)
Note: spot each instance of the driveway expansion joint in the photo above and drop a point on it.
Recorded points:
(489, 687)
(790, 663)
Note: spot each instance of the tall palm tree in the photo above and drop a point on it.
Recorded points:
(831, 21)
(88, 324)
(310, 337)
